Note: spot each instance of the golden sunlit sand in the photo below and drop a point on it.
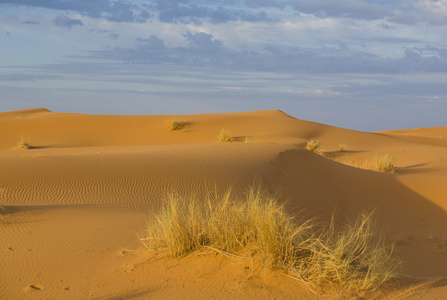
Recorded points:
(76, 191)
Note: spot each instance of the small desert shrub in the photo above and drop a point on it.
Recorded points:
(315, 146)
(383, 163)
(225, 136)
(346, 258)
(23, 144)
(177, 125)
(343, 148)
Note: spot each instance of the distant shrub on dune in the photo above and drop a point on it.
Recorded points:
(24, 144)
(225, 136)
(343, 147)
(383, 163)
(177, 125)
(315, 146)
(347, 258)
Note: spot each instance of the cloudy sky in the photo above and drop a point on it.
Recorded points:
(360, 64)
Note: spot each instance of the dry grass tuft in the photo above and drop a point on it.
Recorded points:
(346, 258)
(225, 136)
(315, 146)
(343, 148)
(177, 125)
(384, 163)
(258, 222)
(23, 144)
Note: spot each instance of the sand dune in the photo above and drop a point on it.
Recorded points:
(78, 199)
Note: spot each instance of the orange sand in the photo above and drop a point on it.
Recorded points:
(78, 200)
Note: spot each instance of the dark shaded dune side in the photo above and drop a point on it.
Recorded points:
(331, 184)
(316, 187)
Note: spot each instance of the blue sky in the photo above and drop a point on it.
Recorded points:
(360, 64)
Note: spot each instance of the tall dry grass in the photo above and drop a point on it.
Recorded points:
(343, 147)
(383, 163)
(348, 258)
(24, 144)
(177, 125)
(225, 136)
(352, 257)
(315, 146)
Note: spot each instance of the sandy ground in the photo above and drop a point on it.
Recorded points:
(78, 201)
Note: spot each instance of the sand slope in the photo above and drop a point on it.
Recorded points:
(79, 198)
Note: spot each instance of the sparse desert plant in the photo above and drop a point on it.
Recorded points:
(315, 146)
(347, 258)
(383, 163)
(225, 136)
(24, 144)
(177, 125)
(343, 148)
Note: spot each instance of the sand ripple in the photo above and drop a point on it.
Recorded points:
(134, 177)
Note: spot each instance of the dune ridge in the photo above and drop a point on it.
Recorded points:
(79, 198)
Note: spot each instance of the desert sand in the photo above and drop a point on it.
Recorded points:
(77, 202)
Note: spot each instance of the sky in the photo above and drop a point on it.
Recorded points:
(359, 64)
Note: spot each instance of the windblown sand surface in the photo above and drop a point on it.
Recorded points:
(78, 200)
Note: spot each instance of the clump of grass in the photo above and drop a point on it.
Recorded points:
(315, 146)
(225, 136)
(257, 222)
(23, 144)
(343, 148)
(177, 125)
(346, 258)
(384, 163)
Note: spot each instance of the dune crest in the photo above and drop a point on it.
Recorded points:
(24, 113)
